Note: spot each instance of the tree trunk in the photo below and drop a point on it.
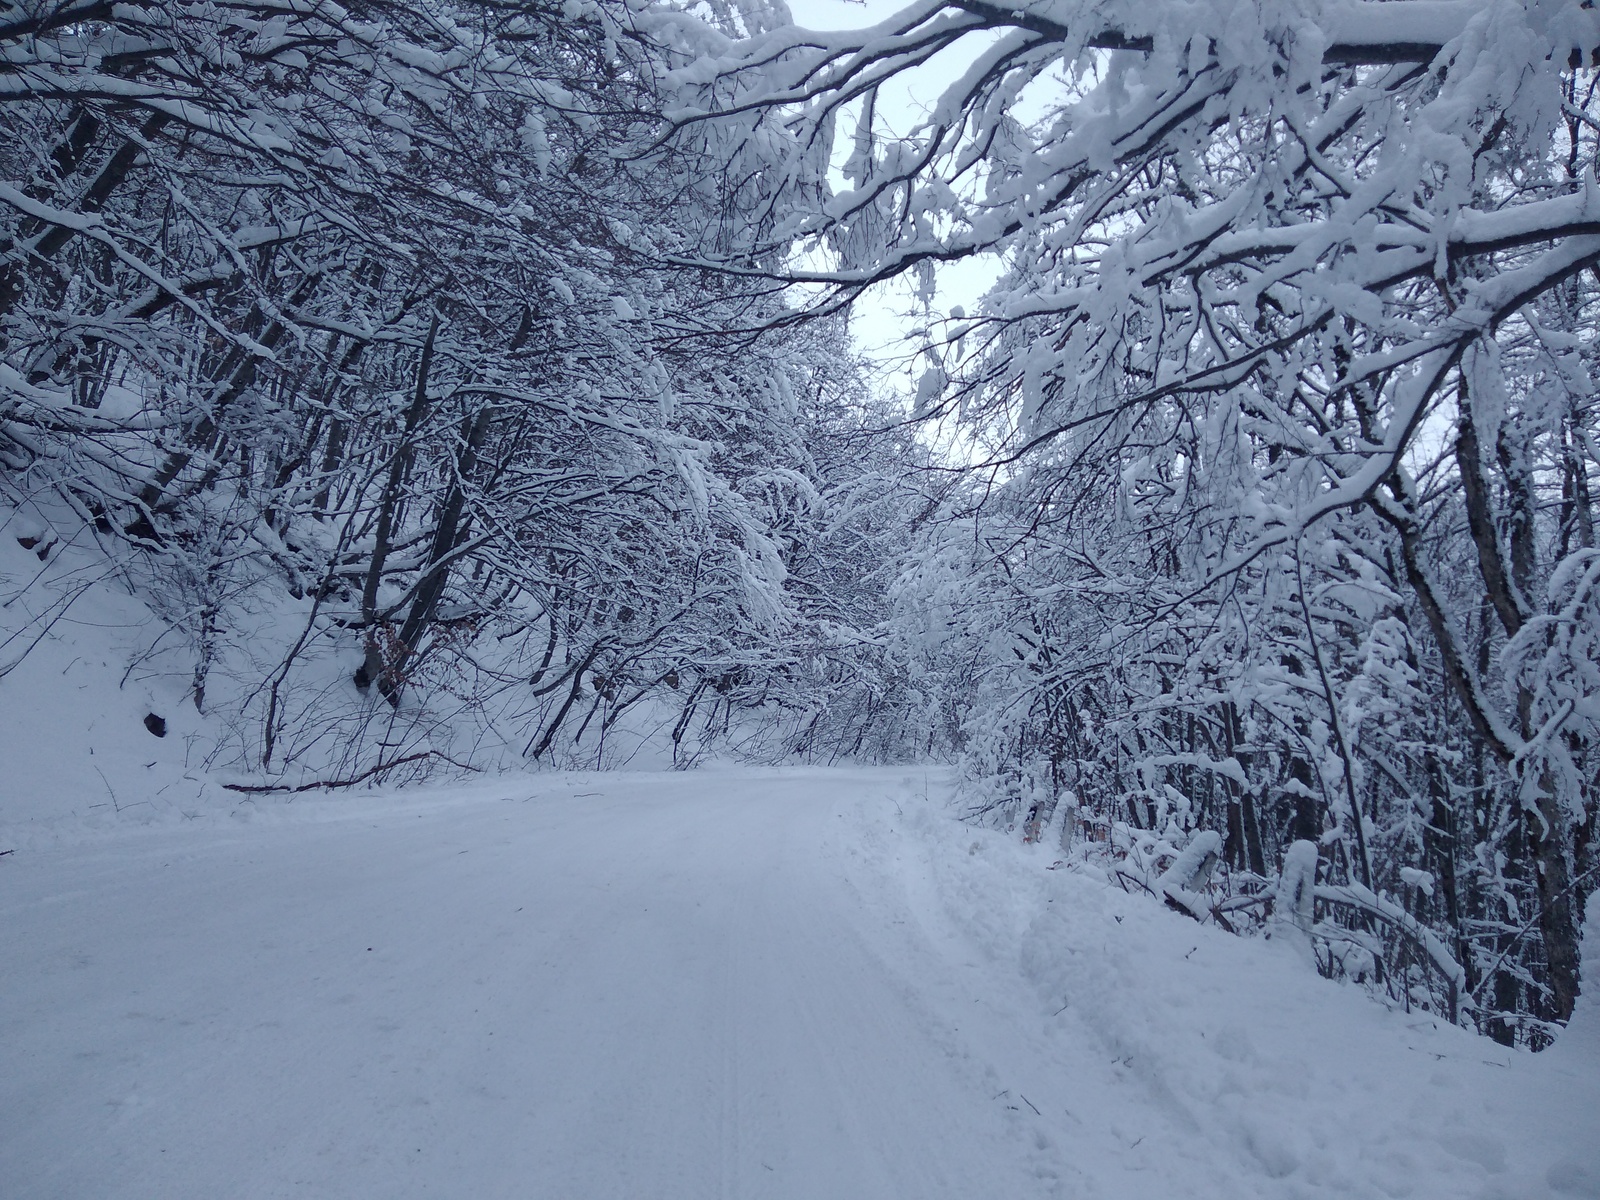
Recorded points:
(445, 537)
(374, 665)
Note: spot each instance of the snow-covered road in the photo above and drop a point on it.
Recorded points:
(749, 984)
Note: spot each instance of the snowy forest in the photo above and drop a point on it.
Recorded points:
(472, 384)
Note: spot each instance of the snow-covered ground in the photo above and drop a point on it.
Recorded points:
(808, 984)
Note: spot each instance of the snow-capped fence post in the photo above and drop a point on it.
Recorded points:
(1064, 821)
(1181, 884)
(1293, 907)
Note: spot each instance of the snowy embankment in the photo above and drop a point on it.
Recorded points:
(808, 984)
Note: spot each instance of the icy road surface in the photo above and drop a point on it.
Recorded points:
(784, 984)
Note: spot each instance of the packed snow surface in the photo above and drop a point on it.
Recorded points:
(810, 984)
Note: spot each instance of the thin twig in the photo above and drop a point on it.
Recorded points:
(114, 805)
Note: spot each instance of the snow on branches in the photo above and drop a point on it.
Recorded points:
(1280, 415)
(354, 332)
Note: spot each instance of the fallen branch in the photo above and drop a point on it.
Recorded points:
(257, 788)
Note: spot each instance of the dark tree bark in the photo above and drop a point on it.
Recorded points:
(446, 537)
(374, 665)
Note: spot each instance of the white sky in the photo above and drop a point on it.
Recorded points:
(886, 321)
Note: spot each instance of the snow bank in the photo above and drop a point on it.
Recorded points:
(1226, 1067)
(84, 667)
(99, 730)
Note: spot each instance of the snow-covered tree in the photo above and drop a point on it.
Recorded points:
(360, 335)
(1283, 407)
